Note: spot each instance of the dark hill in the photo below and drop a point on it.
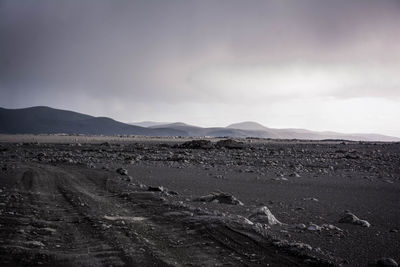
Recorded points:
(45, 120)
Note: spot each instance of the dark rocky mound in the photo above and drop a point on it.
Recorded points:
(230, 144)
(197, 144)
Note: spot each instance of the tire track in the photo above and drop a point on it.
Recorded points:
(73, 216)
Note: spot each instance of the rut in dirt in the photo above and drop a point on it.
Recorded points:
(72, 216)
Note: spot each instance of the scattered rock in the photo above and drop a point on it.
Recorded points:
(386, 262)
(105, 144)
(173, 192)
(331, 227)
(310, 199)
(388, 181)
(161, 189)
(35, 243)
(105, 226)
(219, 197)
(41, 155)
(280, 179)
(90, 165)
(314, 227)
(156, 189)
(124, 218)
(300, 226)
(122, 171)
(353, 219)
(264, 215)
(178, 213)
(142, 186)
(349, 156)
(221, 218)
(47, 231)
(294, 245)
(242, 219)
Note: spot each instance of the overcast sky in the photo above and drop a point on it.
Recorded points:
(316, 64)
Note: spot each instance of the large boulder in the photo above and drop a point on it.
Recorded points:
(350, 218)
(264, 215)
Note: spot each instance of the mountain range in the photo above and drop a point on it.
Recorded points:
(46, 120)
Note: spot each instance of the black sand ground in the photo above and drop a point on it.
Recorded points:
(64, 203)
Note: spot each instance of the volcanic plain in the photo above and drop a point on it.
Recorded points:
(142, 201)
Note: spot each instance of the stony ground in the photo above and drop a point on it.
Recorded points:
(153, 202)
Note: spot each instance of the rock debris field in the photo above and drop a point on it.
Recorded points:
(134, 201)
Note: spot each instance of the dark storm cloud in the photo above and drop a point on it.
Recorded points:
(87, 54)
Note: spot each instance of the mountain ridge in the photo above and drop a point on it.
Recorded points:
(47, 120)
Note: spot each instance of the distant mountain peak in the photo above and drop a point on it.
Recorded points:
(248, 126)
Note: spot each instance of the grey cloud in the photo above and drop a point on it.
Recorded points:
(144, 51)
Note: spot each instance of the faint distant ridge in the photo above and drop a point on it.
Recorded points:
(46, 120)
(248, 125)
(175, 125)
(147, 123)
(294, 133)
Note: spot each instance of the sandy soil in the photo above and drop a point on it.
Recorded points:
(65, 203)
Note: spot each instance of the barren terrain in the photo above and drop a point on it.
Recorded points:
(101, 201)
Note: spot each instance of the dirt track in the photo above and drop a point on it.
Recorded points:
(71, 216)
